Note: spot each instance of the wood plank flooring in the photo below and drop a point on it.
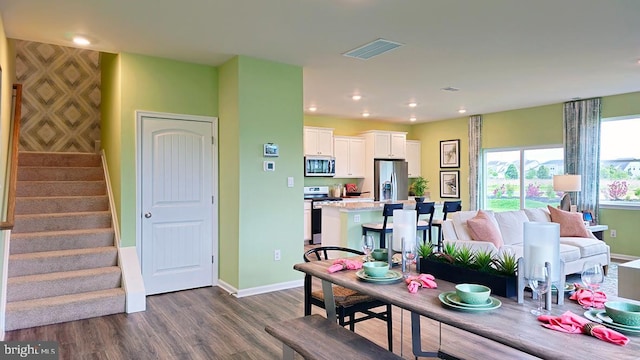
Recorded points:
(208, 323)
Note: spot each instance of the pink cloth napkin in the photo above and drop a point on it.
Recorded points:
(573, 324)
(583, 296)
(342, 264)
(422, 280)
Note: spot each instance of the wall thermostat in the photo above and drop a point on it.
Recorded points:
(269, 166)
(270, 150)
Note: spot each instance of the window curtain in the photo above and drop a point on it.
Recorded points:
(582, 150)
(476, 178)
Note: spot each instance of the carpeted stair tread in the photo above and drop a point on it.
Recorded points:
(61, 204)
(60, 188)
(58, 173)
(52, 310)
(61, 221)
(58, 159)
(30, 287)
(60, 240)
(62, 260)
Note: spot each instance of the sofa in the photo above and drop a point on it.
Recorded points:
(574, 250)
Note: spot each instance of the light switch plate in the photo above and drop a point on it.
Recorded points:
(290, 181)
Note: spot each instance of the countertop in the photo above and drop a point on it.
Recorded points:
(367, 205)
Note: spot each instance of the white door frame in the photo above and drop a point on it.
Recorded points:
(214, 157)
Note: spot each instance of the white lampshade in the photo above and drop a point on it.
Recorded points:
(567, 183)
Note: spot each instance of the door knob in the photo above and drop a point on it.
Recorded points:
(147, 215)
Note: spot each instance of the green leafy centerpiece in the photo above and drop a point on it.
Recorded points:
(418, 187)
(464, 265)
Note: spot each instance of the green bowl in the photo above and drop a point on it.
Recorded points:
(380, 254)
(472, 293)
(623, 312)
(376, 268)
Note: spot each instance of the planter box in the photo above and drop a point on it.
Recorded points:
(501, 285)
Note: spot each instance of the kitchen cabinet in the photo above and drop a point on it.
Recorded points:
(387, 144)
(318, 141)
(413, 157)
(349, 154)
(307, 220)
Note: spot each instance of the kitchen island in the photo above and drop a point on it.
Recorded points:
(342, 221)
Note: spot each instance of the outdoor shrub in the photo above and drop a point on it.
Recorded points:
(533, 190)
(637, 192)
(617, 189)
(510, 190)
(499, 191)
(549, 192)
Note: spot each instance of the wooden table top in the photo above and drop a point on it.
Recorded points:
(512, 324)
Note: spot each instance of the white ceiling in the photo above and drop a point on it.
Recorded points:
(501, 54)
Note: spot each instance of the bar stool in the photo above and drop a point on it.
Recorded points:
(425, 208)
(447, 207)
(382, 228)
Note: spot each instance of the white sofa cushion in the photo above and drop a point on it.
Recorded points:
(587, 246)
(538, 215)
(511, 226)
(569, 253)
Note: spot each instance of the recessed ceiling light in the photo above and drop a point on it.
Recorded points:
(356, 97)
(462, 111)
(313, 108)
(365, 114)
(80, 40)
(412, 119)
(413, 104)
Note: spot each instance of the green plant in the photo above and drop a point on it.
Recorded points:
(483, 260)
(449, 249)
(506, 264)
(419, 186)
(425, 250)
(465, 256)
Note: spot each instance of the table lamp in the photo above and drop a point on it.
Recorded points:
(566, 183)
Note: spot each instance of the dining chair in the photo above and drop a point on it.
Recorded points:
(447, 207)
(349, 302)
(425, 208)
(383, 227)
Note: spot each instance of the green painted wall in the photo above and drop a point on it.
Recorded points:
(137, 82)
(261, 101)
(430, 134)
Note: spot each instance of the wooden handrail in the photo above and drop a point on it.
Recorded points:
(13, 172)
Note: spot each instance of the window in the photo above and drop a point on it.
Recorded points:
(521, 178)
(620, 161)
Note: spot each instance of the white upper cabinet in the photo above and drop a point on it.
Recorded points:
(413, 157)
(349, 153)
(318, 141)
(388, 144)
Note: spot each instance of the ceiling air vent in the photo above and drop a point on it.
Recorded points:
(374, 48)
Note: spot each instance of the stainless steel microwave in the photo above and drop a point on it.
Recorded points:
(319, 166)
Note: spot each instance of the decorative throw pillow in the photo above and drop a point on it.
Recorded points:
(571, 224)
(483, 228)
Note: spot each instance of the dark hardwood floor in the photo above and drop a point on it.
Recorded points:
(208, 323)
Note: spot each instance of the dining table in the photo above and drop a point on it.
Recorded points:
(510, 324)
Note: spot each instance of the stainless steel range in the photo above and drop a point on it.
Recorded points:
(319, 195)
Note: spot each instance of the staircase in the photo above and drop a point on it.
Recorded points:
(63, 263)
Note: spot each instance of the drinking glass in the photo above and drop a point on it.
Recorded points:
(592, 276)
(540, 283)
(409, 253)
(367, 246)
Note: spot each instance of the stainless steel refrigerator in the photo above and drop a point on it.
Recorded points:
(390, 180)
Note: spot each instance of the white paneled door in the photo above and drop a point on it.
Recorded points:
(177, 204)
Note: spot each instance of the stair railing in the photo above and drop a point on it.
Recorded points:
(13, 169)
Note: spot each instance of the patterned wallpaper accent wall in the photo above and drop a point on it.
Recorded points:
(60, 97)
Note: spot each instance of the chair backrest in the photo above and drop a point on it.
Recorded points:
(451, 206)
(425, 208)
(387, 211)
(325, 252)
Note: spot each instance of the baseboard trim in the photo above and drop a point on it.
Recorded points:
(623, 257)
(259, 289)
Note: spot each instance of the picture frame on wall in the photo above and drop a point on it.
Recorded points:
(450, 184)
(450, 153)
